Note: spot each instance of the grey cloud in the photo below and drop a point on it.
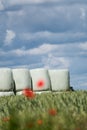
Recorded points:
(3, 26)
(53, 19)
(1, 5)
(50, 37)
(10, 35)
(17, 2)
(46, 48)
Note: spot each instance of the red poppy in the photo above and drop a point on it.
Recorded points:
(40, 84)
(52, 112)
(39, 122)
(6, 119)
(30, 125)
(28, 93)
(78, 128)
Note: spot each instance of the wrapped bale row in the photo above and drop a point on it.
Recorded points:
(35, 79)
(55, 80)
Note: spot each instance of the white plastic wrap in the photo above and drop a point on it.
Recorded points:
(22, 79)
(6, 79)
(19, 93)
(37, 92)
(6, 93)
(60, 79)
(41, 92)
(40, 79)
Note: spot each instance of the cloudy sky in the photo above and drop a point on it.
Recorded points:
(45, 33)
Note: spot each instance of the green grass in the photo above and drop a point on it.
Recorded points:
(70, 111)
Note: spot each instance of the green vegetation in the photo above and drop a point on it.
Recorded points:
(46, 111)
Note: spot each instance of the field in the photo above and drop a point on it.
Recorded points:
(46, 111)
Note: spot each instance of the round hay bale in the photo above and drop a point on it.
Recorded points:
(40, 79)
(60, 79)
(22, 78)
(6, 79)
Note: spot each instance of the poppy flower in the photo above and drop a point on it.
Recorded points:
(39, 122)
(52, 112)
(78, 128)
(30, 125)
(40, 84)
(28, 93)
(6, 119)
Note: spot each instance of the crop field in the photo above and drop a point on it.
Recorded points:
(46, 111)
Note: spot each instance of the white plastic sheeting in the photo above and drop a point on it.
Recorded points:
(37, 92)
(6, 79)
(60, 79)
(19, 93)
(6, 93)
(22, 78)
(41, 92)
(40, 79)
